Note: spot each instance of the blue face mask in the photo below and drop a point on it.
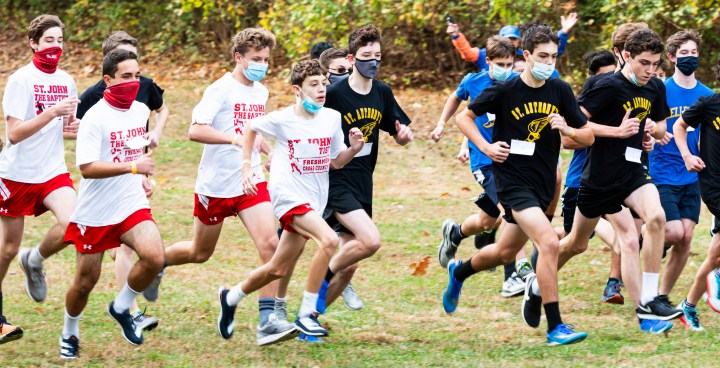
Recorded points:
(499, 73)
(254, 71)
(633, 78)
(334, 78)
(542, 71)
(311, 106)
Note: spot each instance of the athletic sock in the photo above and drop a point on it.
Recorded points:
(650, 282)
(329, 275)
(552, 312)
(235, 295)
(71, 326)
(687, 305)
(518, 263)
(35, 260)
(464, 271)
(308, 304)
(509, 269)
(535, 287)
(266, 307)
(456, 234)
(280, 303)
(1, 302)
(124, 299)
(613, 280)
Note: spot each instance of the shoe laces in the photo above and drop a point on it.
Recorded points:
(350, 288)
(565, 329)
(615, 287)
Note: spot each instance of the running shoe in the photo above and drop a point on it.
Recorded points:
(564, 335)
(130, 331)
(524, 269)
(612, 294)
(35, 285)
(690, 317)
(226, 320)
(655, 325)
(274, 331)
(531, 304)
(9, 332)
(310, 325)
(451, 296)
(657, 310)
(447, 249)
(310, 339)
(320, 305)
(69, 348)
(513, 286)
(145, 321)
(152, 292)
(351, 298)
(713, 290)
(485, 238)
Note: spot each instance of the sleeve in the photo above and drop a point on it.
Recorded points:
(155, 98)
(88, 99)
(481, 62)
(89, 142)
(337, 142)
(487, 101)
(267, 125)
(660, 110)
(470, 54)
(462, 92)
(16, 100)
(570, 109)
(695, 114)
(390, 113)
(597, 98)
(563, 40)
(209, 106)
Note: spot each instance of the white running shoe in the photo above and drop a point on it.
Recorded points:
(513, 286)
(351, 298)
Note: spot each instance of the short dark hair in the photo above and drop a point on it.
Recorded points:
(598, 59)
(622, 32)
(363, 36)
(115, 57)
(116, 39)
(680, 38)
(42, 23)
(641, 40)
(318, 49)
(499, 47)
(535, 33)
(252, 38)
(331, 54)
(304, 69)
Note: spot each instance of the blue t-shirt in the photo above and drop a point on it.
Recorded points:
(666, 163)
(572, 178)
(469, 88)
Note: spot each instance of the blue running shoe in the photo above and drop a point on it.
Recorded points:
(612, 294)
(655, 325)
(310, 339)
(322, 298)
(690, 317)
(563, 335)
(451, 296)
(713, 290)
(226, 319)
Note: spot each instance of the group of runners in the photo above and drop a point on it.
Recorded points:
(321, 174)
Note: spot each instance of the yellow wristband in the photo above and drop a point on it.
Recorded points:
(654, 129)
(441, 122)
(246, 161)
(133, 168)
(572, 135)
(235, 138)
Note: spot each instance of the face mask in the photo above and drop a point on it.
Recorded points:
(368, 68)
(500, 73)
(687, 64)
(310, 105)
(47, 60)
(542, 71)
(334, 78)
(122, 95)
(254, 71)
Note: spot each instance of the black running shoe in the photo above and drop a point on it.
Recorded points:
(658, 310)
(310, 325)
(129, 330)
(485, 238)
(69, 348)
(226, 320)
(531, 304)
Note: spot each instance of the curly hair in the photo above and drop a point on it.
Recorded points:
(499, 47)
(42, 23)
(304, 69)
(680, 38)
(641, 40)
(363, 36)
(535, 33)
(252, 38)
(622, 32)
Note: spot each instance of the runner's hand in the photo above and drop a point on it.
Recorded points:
(154, 138)
(628, 127)
(648, 142)
(558, 123)
(666, 139)
(356, 139)
(498, 151)
(404, 133)
(463, 155)
(147, 186)
(437, 133)
(568, 23)
(693, 163)
(453, 29)
(72, 126)
(65, 107)
(248, 174)
(145, 164)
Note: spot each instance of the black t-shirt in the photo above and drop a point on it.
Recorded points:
(149, 94)
(706, 111)
(370, 113)
(592, 80)
(521, 113)
(607, 101)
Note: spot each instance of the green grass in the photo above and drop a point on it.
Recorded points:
(402, 324)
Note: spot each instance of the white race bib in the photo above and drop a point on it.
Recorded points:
(518, 147)
(366, 150)
(306, 150)
(137, 143)
(632, 154)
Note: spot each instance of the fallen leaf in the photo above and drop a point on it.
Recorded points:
(444, 195)
(465, 189)
(40, 310)
(425, 233)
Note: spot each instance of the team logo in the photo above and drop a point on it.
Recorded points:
(87, 247)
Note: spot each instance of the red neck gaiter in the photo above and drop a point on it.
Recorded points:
(47, 60)
(122, 95)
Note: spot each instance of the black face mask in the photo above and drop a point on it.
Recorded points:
(687, 64)
(334, 78)
(367, 68)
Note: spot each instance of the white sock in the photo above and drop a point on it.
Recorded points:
(71, 326)
(35, 259)
(235, 295)
(308, 304)
(535, 287)
(124, 299)
(518, 263)
(650, 283)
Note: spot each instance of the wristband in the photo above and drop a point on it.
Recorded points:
(572, 135)
(246, 161)
(654, 129)
(133, 168)
(455, 37)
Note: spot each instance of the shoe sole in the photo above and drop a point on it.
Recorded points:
(220, 315)
(27, 278)
(658, 318)
(577, 340)
(615, 299)
(688, 326)
(311, 333)
(506, 294)
(709, 297)
(12, 336)
(121, 329)
(353, 308)
(278, 338)
(665, 330)
(526, 298)
(151, 326)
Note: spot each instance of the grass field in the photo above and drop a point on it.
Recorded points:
(402, 323)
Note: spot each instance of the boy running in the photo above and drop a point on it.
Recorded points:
(110, 155)
(525, 156)
(308, 142)
(39, 106)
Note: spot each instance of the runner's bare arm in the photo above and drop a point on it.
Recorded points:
(692, 162)
(451, 106)
(498, 151)
(629, 127)
(203, 133)
(19, 130)
(99, 169)
(583, 136)
(161, 117)
(356, 144)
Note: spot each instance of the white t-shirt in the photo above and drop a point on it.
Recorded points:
(226, 106)
(41, 156)
(301, 159)
(103, 136)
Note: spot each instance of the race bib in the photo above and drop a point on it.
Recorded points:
(632, 154)
(524, 148)
(137, 143)
(366, 150)
(306, 150)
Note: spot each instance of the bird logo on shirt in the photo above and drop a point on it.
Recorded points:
(535, 127)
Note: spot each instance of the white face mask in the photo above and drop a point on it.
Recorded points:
(542, 71)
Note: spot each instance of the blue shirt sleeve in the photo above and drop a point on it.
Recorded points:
(462, 91)
(480, 62)
(563, 42)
